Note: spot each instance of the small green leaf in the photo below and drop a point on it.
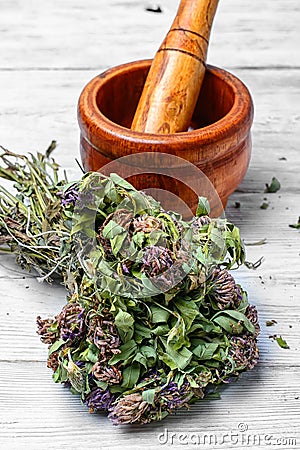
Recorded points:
(161, 330)
(54, 347)
(177, 336)
(126, 351)
(142, 332)
(240, 317)
(203, 208)
(121, 182)
(117, 242)
(188, 309)
(281, 342)
(229, 324)
(141, 359)
(270, 323)
(124, 321)
(92, 353)
(264, 205)
(56, 375)
(112, 229)
(192, 382)
(176, 359)
(139, 238)
(148, 396)
(149, 353)
(296, 225)
(273, 187)
(101, 384)
(131, 375)
(205, 350)
(159, 314)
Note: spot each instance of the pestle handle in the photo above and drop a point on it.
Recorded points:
(174, 81)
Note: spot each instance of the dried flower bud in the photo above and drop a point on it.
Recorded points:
(103, 333)
(46, 331)
(244, 351)
(156, 260)
(146, 223)
(251, 313)
(172, 397)
(108, 374)
(52, 361)
(71, 321)
(69, 196)
(199, 222)
(122, 217)
(223, 290)
(130, 409)
(99, 400)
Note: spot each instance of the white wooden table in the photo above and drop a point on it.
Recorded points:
(48, 52)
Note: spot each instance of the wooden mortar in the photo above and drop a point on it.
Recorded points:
(219, 143)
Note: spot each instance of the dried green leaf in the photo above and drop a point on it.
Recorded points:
(121, 182)
(148, 396)
(264, 205)
(205, 350)
(131, 375)
(240, 318)
(161, 330)
(159, 315)
(112, 229)
(141, 332)
(281, 342)
(56, 346)
(273, 187)
(203, 208)
(150, 354)
(176, 359)
(124, 321)
(296, 225)
(188, 310)
(140, 358)
(270, 323)
(126, 351)
(117, 242)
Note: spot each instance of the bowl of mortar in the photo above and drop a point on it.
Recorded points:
(218, 142)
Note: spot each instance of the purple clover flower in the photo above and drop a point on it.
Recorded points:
(71, 321)
(174, 397)
(244, 351)
(99, 400)
(69, 196)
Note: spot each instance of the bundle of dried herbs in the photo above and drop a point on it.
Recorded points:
(153, 317)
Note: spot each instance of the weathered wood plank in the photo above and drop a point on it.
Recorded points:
(97, 34)
(37, 107)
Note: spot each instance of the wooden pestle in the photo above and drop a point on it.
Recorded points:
(174, 81)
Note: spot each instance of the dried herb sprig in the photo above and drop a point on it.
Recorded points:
(33, 223)
(153, 316)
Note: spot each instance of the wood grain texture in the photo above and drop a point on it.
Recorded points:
(49, 50)
(97, 35)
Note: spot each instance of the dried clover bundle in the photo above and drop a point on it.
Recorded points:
(153, 318)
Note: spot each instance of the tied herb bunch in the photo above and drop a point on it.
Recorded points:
(154, 320)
